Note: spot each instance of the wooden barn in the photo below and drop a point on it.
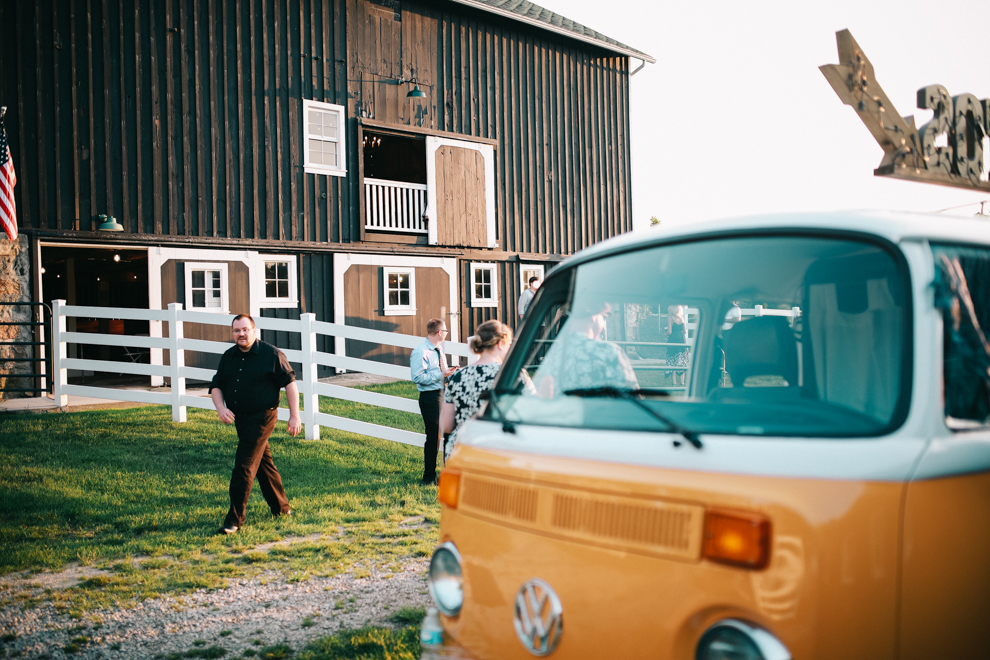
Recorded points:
(375, 162)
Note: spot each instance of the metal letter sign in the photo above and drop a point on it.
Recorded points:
(948, 150)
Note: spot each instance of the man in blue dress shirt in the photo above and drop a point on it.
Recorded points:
(429, 367)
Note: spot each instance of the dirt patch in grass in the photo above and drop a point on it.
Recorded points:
(71, 576)
(265, 547)
(76, 574)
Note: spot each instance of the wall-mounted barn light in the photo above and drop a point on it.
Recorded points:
(415, 92)
(109, 223)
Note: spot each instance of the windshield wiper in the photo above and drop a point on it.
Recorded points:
(507, 426)
(631, 396)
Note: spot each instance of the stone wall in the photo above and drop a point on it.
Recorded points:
(15, 286)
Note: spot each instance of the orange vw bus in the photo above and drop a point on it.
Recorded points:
(757, 438)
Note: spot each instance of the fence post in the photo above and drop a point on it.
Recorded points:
(759, 310)
(177, 360)
(311, 400)
(59, 373)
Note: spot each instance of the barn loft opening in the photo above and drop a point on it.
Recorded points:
(392, 157)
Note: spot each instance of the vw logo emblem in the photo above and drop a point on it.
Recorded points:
(539, 617)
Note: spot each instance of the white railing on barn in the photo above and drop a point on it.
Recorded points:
(394, 206)
(176, 345)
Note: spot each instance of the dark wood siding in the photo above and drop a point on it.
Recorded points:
(316, 297)
(183, 118)
(178, 117)
(364, 293)
(558, 109)
(173, 290)
(507, 274)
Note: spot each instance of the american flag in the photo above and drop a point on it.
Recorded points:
(8, 213)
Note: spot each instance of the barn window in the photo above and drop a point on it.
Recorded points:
(530, 270)
(400, 291)
(206, 287)
(484, 286)
(277, 282)
(324, 130)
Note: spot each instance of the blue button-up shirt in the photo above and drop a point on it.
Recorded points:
(426, 363)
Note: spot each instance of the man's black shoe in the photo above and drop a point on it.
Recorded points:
(287, 514)
(430, 481)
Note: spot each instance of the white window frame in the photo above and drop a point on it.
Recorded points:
(341, 141)
(484, 302)
(524, 283)
(190, 267)
(263, 299)
(399, 310)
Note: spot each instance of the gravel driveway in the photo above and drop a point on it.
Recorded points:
(259, 612)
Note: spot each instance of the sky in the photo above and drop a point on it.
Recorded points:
(736, 119)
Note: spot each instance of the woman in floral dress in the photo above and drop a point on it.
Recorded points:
(580, 359)
(462, 396)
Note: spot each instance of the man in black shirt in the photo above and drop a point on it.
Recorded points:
(246, 391)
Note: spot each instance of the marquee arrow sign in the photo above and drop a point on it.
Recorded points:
(947, 151)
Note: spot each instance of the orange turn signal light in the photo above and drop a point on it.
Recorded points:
(449, 489)
(737, 539)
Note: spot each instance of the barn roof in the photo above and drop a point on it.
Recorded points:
(527, 12)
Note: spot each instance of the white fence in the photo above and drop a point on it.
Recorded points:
(176, 345)
(394, 206)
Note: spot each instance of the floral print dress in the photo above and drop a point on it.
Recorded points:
(578, 362)
(464, 388)
(678, 357)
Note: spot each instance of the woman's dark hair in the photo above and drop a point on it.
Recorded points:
(488, 334)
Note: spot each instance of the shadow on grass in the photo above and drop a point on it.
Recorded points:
(99, 486)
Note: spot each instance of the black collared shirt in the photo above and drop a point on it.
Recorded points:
(251, 380)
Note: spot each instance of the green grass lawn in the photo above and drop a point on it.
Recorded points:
(132, 492)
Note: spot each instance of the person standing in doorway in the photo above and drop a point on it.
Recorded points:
(429, 367)
(246, 391)
(527, 296)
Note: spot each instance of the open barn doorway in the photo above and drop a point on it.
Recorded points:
(393, 187)
(98, 277)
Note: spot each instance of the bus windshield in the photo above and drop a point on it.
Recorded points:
(784, 335)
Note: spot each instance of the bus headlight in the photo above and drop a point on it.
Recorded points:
(731, 639)
(446, 584)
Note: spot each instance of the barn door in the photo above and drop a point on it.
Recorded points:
(460, 179)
